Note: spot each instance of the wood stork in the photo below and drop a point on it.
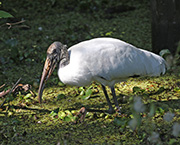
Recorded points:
(104, 60)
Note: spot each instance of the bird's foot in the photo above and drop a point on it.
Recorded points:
(110, 110)
(118, 110)
(81, 115)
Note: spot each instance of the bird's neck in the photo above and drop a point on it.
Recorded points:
(65, 59)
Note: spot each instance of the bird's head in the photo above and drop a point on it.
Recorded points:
(53, 57)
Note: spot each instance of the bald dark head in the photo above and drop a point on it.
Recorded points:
(54, 47)
(54, 55)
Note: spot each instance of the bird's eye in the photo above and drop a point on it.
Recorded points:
(54, 51)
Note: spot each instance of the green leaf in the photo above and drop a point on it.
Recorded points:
(81, 89)
(82, 92)
(109, 33)
(28, 96)
(53, 113)
(66, 115)
(67, 119)
(61, 115)
(88, 92)
(4, 14)
(87, 95)
(177, 89)
(68, 112)
(160, 110)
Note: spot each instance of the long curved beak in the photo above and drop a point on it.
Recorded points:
(47, 71)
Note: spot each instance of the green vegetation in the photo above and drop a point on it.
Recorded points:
(4, 14)
(150, 106)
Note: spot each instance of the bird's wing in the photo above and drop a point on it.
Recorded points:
(113, 59)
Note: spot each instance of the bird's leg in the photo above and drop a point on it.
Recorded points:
(111, 110)
(115, 100)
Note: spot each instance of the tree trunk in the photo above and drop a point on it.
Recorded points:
(165, 25)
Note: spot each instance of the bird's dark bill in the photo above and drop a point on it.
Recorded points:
(47, 71)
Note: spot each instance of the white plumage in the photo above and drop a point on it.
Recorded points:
(105, 60)
(108, 61)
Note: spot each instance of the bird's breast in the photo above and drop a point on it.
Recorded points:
(74, 75)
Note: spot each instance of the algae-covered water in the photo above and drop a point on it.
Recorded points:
(150, 106)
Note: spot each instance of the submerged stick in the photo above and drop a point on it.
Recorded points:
(11, 91)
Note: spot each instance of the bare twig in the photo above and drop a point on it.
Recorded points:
(15, 85)
(4, 93)
(22, 21)
(23, 26)
(2, 86)
(11, 91)
(19, 87)
(16, 23)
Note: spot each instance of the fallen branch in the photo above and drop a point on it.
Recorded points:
(2, 86)
(10, 25)
(11, 91)
(4, 93)
(19, 87)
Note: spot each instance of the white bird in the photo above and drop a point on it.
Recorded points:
(104, 60)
